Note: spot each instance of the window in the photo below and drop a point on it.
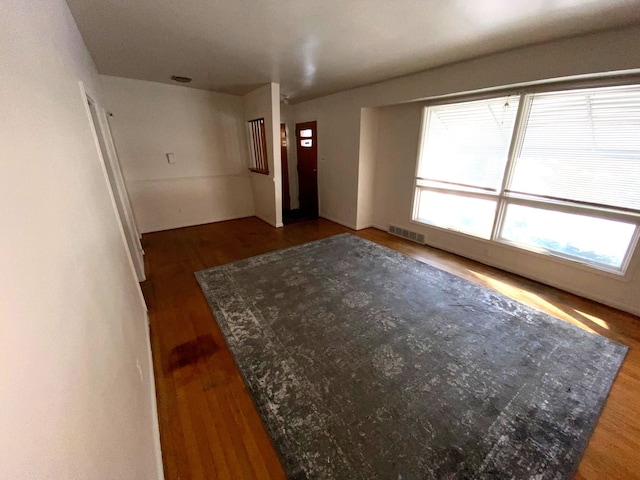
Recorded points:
(553, 172)
(257, 146)
(462, 162)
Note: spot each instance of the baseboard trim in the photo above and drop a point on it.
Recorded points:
(197, 177)
(154, 405)
(341, 222)
(185, 225)
(266, 220)
(366, 225)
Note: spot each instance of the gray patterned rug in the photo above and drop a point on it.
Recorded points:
(367, 364)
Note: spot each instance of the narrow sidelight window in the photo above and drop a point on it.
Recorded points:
(257, 146)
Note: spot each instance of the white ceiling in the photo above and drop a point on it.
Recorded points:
(324, 46)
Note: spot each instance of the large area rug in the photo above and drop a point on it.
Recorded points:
(367, 364)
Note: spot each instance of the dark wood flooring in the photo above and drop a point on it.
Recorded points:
(208, 425)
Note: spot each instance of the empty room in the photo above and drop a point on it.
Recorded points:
(320, 240)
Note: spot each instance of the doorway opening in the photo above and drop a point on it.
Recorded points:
(286, 195)
(307, 152)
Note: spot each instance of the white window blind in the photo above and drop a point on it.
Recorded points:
(582, 146)
(466, 144)
(556, 173)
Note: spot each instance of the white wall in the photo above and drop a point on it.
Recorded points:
(264, 102)
(338, 133)
(366, 167)
(338, 115)
(396, 153)
(209, 180)
(76, 384)
(345, 153)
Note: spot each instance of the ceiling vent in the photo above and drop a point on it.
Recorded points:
(177, 78)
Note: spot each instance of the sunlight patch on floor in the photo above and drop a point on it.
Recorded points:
(534, 300)
(594, 319)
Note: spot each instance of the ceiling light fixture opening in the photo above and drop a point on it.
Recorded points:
(177, 78)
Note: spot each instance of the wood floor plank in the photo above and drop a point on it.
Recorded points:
(261, 443)
(208, 423)
(236, 451)
(192, 439)
(215, 443)
(236, 399)
(177, 464)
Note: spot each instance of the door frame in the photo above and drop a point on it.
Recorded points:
(99, 125)
(315, 136)
(284, 171)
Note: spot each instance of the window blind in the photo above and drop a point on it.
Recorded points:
(582, 146)
(467, 144)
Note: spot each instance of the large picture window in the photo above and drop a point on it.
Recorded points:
(553, 172)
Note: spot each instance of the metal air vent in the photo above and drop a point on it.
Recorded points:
(408, 234)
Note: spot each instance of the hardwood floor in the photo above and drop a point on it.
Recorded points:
(209, 427)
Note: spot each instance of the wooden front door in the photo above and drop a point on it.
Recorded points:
(286, 198)
(307, 149)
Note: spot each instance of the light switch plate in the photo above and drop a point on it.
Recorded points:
(170, 158)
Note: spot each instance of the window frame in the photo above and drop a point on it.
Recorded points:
(257, 139)
(504, 198)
